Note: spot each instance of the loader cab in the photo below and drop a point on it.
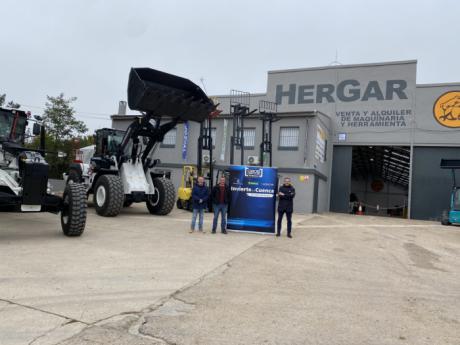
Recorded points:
(13, 125)
(108, 141)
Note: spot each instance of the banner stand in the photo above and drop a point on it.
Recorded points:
(253, 201)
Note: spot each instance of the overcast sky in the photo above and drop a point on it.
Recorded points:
(85, 48)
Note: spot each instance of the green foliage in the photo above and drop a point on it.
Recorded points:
(64, 133)
(60, 165)
(10, 104)
(13, 105)
(59, 117)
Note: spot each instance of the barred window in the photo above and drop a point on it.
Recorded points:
(249, 135)
(170, 139)
(289, 138)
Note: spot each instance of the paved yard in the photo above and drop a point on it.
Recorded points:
(140, 279)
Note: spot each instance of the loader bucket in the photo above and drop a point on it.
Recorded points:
(164, 94)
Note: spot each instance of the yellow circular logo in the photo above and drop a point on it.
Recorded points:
(446, 109)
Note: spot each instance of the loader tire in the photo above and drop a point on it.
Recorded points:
(445, 218)
(108, 195)
(74, 176)
(179, 204)
(73, 214)
(162, 202)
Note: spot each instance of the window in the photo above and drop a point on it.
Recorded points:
(169, 140)
(289, 138)
(249, 137)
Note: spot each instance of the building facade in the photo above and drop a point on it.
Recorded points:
(349, 132)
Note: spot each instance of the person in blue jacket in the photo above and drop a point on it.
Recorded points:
(200, 194)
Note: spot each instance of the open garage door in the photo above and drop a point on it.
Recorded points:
(380, 180)
(375, 177)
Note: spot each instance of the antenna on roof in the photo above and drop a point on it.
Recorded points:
(202, 83)
(336, 62)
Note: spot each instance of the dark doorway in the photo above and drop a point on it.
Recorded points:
(380, 180)
(340, 179)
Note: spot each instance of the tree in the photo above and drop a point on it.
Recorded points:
(62, 129)
(59, 118)
(13, 105)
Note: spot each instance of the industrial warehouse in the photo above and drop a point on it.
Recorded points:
(349, 136)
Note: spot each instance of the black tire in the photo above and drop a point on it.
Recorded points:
(162, 202)
(189, 205)
(73, 214)
(74, 176)
(179, 204)
(111, 197)
(445, 218)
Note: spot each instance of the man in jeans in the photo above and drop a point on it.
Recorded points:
(220, 196)
(200, 196)
(286, 196)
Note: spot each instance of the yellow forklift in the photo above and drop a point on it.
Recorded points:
(184, 200)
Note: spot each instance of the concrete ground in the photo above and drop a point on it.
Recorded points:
(141, 279)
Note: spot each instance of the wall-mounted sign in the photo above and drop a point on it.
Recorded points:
(360, 98)
(320, 150)
(446, 109)
(304, 178)
(185, 140)
(342, 136)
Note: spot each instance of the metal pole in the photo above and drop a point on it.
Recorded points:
(242, 139)
(211, 164)
(232, 141)
(262, 144)
(200, 150)
(270, 142)
(411, 165)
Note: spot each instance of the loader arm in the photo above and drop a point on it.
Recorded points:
(142, 127)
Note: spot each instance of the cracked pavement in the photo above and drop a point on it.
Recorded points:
(140, 279)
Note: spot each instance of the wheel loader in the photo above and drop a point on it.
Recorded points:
(24, 183)
(123, 169)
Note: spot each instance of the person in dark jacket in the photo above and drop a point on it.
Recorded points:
(220, 196)
(286, 196)
(200, 196)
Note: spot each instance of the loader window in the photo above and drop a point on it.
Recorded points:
(113, 143)
(5, 125)
(11, 129)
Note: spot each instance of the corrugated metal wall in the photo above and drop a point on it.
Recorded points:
(431, 186)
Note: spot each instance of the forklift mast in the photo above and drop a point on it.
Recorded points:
(268, 114)
(239, 110)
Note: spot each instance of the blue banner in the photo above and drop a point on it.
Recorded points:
(185, 141)
(252, 206)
